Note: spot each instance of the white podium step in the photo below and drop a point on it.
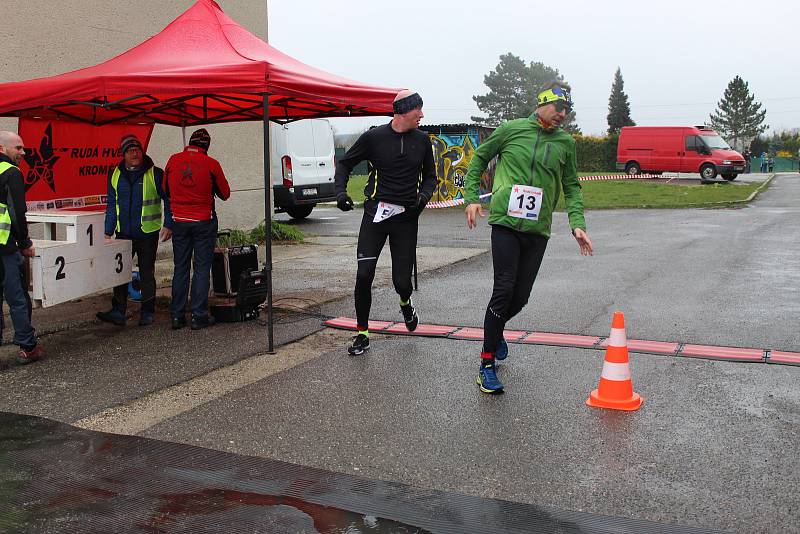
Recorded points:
(82, 264)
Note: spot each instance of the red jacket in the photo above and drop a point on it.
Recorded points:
(191, 179)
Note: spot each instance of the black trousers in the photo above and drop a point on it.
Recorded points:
(145, 251)
(516, 257)
(372, 236)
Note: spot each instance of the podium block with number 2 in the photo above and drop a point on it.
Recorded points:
(80, 265)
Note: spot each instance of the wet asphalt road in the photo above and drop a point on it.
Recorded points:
(714, 444)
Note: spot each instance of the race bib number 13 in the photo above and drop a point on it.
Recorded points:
(525, 202)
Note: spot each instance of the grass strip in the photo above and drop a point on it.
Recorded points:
(616, 194)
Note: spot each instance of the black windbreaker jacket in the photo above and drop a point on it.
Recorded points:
(400, 166)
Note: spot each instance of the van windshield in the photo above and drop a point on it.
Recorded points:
(715, 141)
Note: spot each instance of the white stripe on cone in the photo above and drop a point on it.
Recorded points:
(616, 371)
(617, 338)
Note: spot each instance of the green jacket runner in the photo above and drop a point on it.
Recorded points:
(550, 166)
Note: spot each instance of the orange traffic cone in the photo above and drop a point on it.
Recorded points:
(616, 389)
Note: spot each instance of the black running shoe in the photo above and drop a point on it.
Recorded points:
(113, 316)
(198, 323)
(359, 345)
(410, 316)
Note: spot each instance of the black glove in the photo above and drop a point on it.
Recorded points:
(344, 202)
(422, 201)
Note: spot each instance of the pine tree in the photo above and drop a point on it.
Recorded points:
(509, 95)
(738, 117)
(513, 85)
(619, 110)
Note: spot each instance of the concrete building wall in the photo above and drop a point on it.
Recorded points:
(43, 38)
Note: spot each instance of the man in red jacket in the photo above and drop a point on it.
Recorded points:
(191, 180)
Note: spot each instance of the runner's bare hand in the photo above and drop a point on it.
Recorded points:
(584, 242)
(472, 212)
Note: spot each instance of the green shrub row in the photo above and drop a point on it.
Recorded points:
(257, 236)
(596, 154)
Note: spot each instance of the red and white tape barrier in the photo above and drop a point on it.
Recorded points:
(487, 196)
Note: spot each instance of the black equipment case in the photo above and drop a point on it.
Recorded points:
(252, 293)
(228, 264)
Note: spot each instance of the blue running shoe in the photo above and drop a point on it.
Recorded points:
(487, 380)
(501, 353)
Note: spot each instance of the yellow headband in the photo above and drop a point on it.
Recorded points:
(551, 95)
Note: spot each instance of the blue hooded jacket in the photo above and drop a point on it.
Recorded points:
(130, 191)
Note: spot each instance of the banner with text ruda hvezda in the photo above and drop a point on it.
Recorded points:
(66, 163)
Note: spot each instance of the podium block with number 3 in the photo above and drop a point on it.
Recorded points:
(80, 265)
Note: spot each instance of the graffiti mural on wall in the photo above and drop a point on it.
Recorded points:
(452, 153)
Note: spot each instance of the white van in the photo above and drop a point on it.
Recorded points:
(303, 165)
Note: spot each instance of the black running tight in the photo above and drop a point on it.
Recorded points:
(402, 236)
(516, 257)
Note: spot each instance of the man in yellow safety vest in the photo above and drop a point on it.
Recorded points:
(134, 212)
(15, 245)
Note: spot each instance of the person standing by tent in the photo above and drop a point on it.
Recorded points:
(191, 180)
(134, 213)
(15, 245)
(402, 177)
(536, 162)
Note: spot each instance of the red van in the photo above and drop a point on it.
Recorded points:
(657, 149)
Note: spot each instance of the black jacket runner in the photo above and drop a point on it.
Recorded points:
(400, 167)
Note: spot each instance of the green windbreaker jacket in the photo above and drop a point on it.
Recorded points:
(529, 155)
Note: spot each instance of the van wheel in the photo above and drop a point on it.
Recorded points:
(300, 212)
(632, 168)
(730, 177)
(707, 172)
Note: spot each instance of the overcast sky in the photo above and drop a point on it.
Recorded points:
(676, 57)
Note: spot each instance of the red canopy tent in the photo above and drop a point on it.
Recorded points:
(203, 68)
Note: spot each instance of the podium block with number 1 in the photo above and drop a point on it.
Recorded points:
(80, 265)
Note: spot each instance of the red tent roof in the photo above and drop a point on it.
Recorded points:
(202, 68)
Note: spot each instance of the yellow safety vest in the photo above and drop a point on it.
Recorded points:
(5, 217)
(151, 202)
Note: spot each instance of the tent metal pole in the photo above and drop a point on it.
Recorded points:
(268, 226)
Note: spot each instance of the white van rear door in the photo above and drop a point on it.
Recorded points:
(277, 143)
(323, 143)
(300, 147)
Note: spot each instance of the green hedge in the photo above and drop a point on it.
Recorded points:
(596, 154)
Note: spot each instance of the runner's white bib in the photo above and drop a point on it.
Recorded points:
(525, 202)
(386, 210)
